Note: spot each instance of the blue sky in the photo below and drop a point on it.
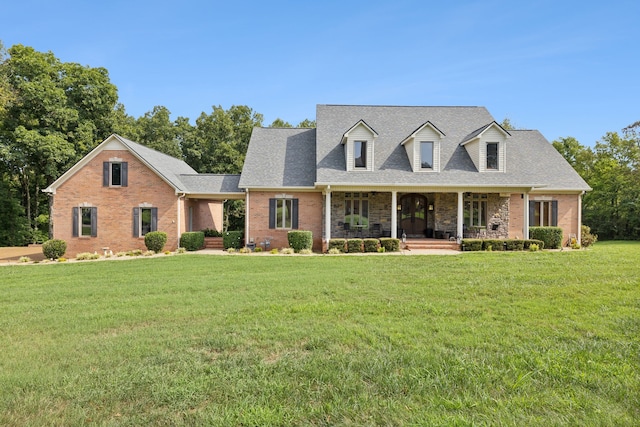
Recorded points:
(566, 68)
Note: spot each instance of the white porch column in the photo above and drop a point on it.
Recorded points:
(394, 214)
(327, 215)
(525, 230)
(460, 228)
(246, 216)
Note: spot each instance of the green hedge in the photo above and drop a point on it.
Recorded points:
(300, 239)
(514, 244)
(338, 244)
(155, 240)
(192, 240)
(354, 245)
(551, 236)
(528, 243)
(210, 232)
(232, 239)
(390, 244)
(493, 244)
(471, 245)
(371, 245)
(54, 248)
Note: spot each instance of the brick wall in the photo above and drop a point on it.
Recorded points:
(114, 206)
(309, 218)
(568, 205)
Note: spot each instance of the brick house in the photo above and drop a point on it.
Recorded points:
(430, 172)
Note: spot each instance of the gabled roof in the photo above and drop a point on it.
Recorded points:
(360, 123)
(280, 158)
(415, 132)
(204, 185)
(478, 132)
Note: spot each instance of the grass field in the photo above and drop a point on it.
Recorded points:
(476, 339)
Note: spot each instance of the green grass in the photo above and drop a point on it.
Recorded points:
(476, 339)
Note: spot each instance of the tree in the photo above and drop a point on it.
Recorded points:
(306, 123)
(155, 130)
(279, 123)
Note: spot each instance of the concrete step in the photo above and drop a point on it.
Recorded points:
(432, 244)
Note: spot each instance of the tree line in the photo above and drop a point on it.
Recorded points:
(53, 113)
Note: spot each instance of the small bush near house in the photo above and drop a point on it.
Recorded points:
(514, 244)
(551, 236)
(494, 244)
(287, 251)
(257, 249)
(587, 239)
(232, 239)
(155, 240)
(354, 246)
(334, 251)
(471, 245)
(300, 239)
(84, 256)
(390, 244)
(338, 244)
(371, 245)
(24, 259)
(528, 243)
(210, 232)
(192, 240)
(54, 248)
(534, 247)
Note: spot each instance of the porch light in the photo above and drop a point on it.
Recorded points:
(399, 207)
(430, 207)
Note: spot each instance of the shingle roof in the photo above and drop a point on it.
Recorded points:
(211, 183)
(280, 158)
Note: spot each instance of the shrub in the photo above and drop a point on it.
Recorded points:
(274, 251)
(381, 249)
(155, 240)
(354, 245)
(231, 250)
(334, 251)
(471, 245)
(258, 249)
(551, 236)
(338, 244)
(54, 248)
(192, 240)
(514, 244)
(148, 253)
(587, 239)
(287, 251)
(24, 259)
(533, 247)
(210, 232)
(306, 252)
(244, 250)
(300, 239)
(371, 245)
(390, 244)
(494, 244)
(180, 250)
(538, 243)
(62, 259)
(232, 239)
(86, 256)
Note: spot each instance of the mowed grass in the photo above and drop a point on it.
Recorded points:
(476, 339)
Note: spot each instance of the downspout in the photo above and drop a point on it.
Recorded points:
(180, 216)
(246, 216)
(579, 233)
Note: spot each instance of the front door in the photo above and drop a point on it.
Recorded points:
(413, 216)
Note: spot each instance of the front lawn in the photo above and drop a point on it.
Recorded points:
(518, 338)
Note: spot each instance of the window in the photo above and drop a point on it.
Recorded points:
(492, 155)
(360, 154)
(283, 213)
(115, 174)
(543, 213)
(356, 209)
(426, 154)
(145, 219)
(85, 222)
(475, 210)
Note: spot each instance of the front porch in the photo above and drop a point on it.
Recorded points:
(434, 216)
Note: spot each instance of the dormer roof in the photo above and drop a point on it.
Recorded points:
(360, 122)
(476, 134)
(419, 129)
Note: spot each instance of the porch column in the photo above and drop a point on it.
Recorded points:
(525, 228)
(247, 236)
(394, 214)
(327, 214)
(460, 228)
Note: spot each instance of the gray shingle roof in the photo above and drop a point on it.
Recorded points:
(281, 158)
(211, 183)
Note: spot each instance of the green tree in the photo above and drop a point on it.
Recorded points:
(306, 123)
(279, 123)
(156, 130)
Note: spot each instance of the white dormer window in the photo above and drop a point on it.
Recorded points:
(487, 148)
(426, 154)
(423, 148)
(360, 154)
(359, 147)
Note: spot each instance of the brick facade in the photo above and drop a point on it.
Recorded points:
(309, 218)
(114, 206)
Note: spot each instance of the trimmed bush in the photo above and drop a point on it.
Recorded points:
(192, 240)
(338, 244)
(232, 239)
(528, 243)
(551, 236)
(155, 240)
(390, 244)
(494, 244)
(354, 245)
(514, 244)
(471, 245)
(210, 232)
(587, 239)
(54, 248)
(300, 239)
(371, 245)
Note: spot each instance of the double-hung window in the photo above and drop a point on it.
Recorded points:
(85, 221)
(360, 154)
(492, 156)
(356, 209)
(475, 210)
(283, 213)
(543, 213)
(115, 174)
(145, 219)
(426, 154)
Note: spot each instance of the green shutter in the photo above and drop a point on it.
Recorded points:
(272, 213)
(136, 222)
(94, 222)
(554, 213)
(532, 213)
(74, 221)
(154, 219)
(105, 173)
(294, 214)
(124, 174)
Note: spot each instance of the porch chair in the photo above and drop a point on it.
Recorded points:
(347, 229)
